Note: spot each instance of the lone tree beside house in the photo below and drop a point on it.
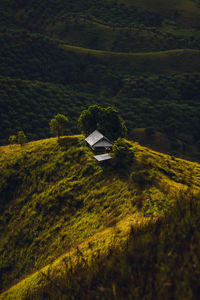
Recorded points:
(106, 120)
(59, 125)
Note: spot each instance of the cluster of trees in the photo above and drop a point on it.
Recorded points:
(20, 138)
(151, 39)
(166, 103)
(95, 117)
(107, 120)
(179, 87)
(40, 13)
(32, 56)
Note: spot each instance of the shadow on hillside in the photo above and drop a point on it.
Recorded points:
(158, 261)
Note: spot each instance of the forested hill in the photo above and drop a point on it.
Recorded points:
(62, 56)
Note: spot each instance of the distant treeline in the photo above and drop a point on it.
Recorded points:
(77, 22)
(36, 14)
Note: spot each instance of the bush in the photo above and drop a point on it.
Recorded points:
(12, 139)
(122, 153)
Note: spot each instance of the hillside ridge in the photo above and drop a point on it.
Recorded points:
(64, 197)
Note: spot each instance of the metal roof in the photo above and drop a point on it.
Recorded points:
(103, 143)
(95, 137)
(103, 157)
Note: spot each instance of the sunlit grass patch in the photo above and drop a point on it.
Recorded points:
(62, 198)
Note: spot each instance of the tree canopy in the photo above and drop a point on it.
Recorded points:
(59, 125)
(107, 120)
(12, 139)
(21, 138)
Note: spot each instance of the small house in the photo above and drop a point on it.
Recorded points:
(98, 142)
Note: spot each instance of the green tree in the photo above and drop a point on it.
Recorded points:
(107, 120)
(21, 138)
(59, 125)
(12, 139)
(122, 153)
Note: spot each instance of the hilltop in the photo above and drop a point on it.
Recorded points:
(57, 200)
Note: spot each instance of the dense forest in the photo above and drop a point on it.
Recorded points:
(41, 76)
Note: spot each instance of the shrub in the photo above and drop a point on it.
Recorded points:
(12, 139)
(122, 153)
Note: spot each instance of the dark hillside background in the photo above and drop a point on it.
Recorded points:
(41, 76)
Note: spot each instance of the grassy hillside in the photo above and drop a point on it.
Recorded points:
(134, 38)
(159, 62)
(86, 231)
(158, 259)
(63, 202)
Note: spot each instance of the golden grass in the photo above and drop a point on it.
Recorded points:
(101, 241)
(184, 172)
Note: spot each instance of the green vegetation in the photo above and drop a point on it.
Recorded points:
(21, 138)
(141, 57)
(158, 260)
(124, 230)
(59, 125)
(12, 139)
(61, 199)
(107, 120)
(122, 154)
(167, 102)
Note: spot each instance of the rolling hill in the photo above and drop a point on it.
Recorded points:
(66, 216)
(71, 228)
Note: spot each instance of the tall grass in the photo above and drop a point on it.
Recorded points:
(158, 261)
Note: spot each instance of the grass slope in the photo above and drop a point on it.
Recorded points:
(62, 198)
(172, 61)
(135, 38)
